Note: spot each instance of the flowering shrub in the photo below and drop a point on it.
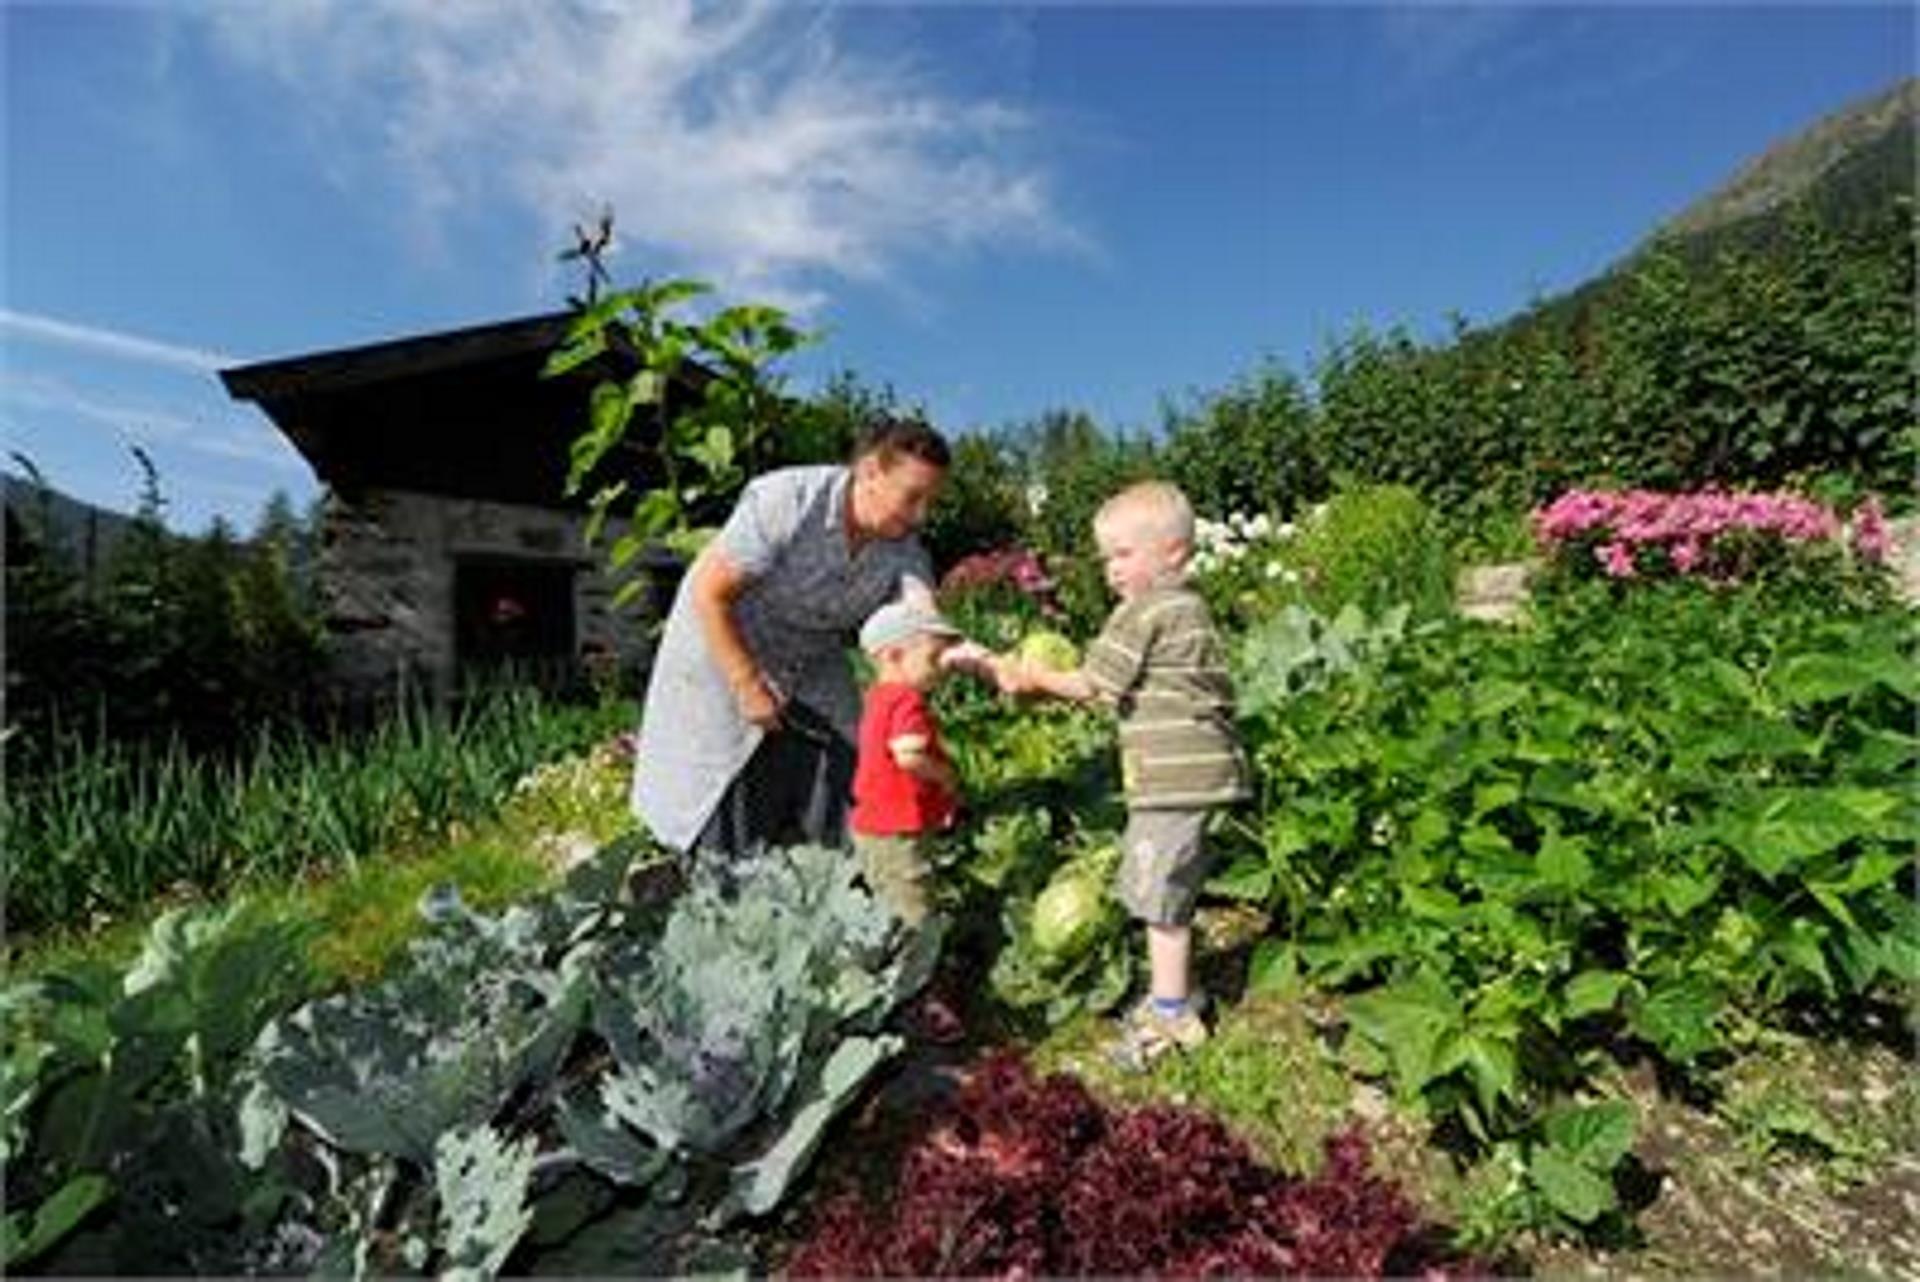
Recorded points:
(1219, 545)
(1239, 564)
(1033, 1177)
(1008, 570)
(1709, 534)
(1374, 547)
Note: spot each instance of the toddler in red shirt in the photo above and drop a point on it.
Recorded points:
(904, 787)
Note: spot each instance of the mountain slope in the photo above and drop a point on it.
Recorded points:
(1849, 162)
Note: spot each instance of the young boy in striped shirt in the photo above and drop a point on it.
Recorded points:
(1161, 665)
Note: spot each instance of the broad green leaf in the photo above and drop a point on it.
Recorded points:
(482, 1183)
(1800, 945)
(1727, 679)
(714, 451)
(1274, 967)
(1248, 878)
(1492, 1065)
(1865, 871)
(1569, 1187)
(1818, 678)
(608, 413)
(1336, 960)
(758, 1186)
(1862, 957)
(54, 1218)
(1756, 739)
(1562, 785)
(1494, 696)
(1677, 1016)
(607, 1146)
(1430, 902)
(1408, 1020)
(653, 512)
(645, 388)
(1774, 831)
(1594, 1135)
(665, 294)
(1682, 892)
(1592, 991)
(1490, 797)
(263, 1121)
(1563, 862)
(574, 354)
(624, 549)
(1429, 828)
(1486, 841)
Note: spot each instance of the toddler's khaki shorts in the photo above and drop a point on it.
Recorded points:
(898, 872)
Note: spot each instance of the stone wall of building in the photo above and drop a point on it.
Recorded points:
(387, 566)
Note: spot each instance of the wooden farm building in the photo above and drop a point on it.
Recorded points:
(447, 542)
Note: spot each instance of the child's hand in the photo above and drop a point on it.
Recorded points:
(1012, 675)
(968, 656)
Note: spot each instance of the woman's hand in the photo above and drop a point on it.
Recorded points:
(758, 702)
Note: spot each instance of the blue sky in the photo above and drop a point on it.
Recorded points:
(998, 210)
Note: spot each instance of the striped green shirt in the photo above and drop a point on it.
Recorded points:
(1162, 664)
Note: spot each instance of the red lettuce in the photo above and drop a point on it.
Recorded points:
(1024, 1176)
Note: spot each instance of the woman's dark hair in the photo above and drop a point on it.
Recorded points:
(891, 437)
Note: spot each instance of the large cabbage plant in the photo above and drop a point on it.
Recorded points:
(584, 1085)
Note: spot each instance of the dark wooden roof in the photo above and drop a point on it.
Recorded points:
(463, 413)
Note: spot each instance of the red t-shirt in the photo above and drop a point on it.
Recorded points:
(886, 799)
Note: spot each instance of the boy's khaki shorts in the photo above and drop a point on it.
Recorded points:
(897, 869)
(1163, 864)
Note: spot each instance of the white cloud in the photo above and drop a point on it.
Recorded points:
(746, 142)
(110, 342)
(227, 436)
(1432, 42)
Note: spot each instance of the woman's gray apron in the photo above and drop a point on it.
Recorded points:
(798, 615)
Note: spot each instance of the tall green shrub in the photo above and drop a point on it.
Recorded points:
(189, 638)
(1249, 448)
(1073, 467)
(1773, 358)
(981, 505)
(1375, 547)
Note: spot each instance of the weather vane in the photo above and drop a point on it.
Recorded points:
(590, 244)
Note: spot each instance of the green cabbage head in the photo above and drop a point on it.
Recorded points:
(1068, 913)
(1050, 650)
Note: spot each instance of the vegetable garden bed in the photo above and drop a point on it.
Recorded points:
(1540, 914)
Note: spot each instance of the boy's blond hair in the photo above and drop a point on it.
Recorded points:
(1157, 507)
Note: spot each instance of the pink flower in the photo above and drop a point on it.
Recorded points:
(1871, 538)
(1018, 568)
(1691, 530)
(1616, 559)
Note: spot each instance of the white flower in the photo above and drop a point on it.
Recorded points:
(1259, 527)
(1285, 530)
(1318, 512)
(1036, 498)
(1275, 569)
(1289, 576)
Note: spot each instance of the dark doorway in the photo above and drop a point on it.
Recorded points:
(513, 612)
